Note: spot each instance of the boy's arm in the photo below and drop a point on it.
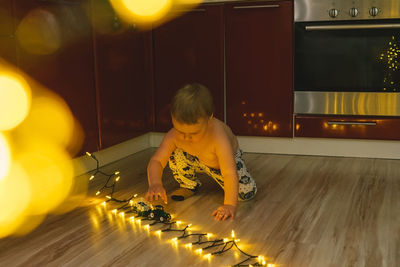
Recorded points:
(223, 149)
(158, 162)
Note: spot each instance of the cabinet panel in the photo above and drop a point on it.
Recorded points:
(123, 65)
(68, 71)
(259, 68)
(188, 49)
(7, 50)
(383, 128)
(6, 18)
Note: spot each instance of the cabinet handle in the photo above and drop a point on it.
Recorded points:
(62, 2)
(352, 27)
(189, 10)
(369, 123)
(260, 6)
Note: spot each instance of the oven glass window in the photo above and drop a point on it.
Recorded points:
(347, 60)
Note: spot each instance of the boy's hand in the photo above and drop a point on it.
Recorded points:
(154, 191)
(224, 212)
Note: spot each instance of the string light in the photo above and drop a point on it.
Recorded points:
(222, 245)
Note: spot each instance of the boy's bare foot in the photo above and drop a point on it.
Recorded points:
(181, 194)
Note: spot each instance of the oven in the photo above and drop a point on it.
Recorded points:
(347, 57)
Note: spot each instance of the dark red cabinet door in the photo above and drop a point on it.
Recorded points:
(123, 65)
(188, 49)
(67, 71)
(259, 68)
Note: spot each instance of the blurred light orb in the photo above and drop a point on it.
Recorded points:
(50, 174)
(146, 8)
(4, 156)
(139, 11)
(39, 32)
(49, 119)
(14, 101)
(14, 199)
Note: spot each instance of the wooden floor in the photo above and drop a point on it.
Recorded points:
(309, 211)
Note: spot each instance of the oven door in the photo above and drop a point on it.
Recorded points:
(348, 68)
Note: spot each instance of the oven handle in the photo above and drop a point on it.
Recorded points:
(369, 123)
(351, 27)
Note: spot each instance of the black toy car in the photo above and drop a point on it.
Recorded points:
(159, 214)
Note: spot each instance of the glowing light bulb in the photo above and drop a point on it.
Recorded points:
(109, 197)
(117, 179)
(207, 256)
(103, 203)
(199, 251)
(226, 240)
(209, 235)
(116, 173)
(114, 211)
(233, 234)
(158, 232)
(122, 214)
(132, 218)
(91, 178)
(188, 245)
(87, 153)
(147, 226)
(131, 202)
(135, 195)
(178, 223)
(97, 193)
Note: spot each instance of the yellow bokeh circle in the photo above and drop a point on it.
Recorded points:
(14, 101)
(14, 199)
(50, 173)
(49, 119)
(5, 156)
(139, 11)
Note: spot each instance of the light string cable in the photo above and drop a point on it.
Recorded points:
(223, 245)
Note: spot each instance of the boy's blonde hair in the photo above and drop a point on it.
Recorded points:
(192, 102)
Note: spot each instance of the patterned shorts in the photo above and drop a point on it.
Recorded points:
(184, 167)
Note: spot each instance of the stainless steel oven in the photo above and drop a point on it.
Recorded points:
(347, 57)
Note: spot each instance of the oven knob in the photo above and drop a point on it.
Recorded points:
(333, 13)
(353, 12)
(374, 11)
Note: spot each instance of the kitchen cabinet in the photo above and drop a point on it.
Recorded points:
(123, 67)
(7, 50)
(67, 69)
(351, 127)
(189, 49)
(259, 52)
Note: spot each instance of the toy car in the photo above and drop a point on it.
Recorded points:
(159, 214)
(141, 207)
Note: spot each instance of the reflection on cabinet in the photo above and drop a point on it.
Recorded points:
(123, 65)
(188, 49)
(383, 128)
(259, 68)
(68, 68)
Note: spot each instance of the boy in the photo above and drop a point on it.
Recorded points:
(198, 142)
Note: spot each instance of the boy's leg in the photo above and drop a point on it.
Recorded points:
(183, 166)
(247, 185)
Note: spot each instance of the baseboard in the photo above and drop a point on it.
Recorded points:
(106, 156)
(312, 146)
(269, 145)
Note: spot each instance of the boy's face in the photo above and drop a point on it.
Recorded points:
(191, 132)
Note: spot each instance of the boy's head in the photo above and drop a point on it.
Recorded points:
(192, 103)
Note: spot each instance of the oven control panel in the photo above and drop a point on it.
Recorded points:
(317, 10)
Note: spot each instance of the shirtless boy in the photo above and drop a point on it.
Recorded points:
(198, 142)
